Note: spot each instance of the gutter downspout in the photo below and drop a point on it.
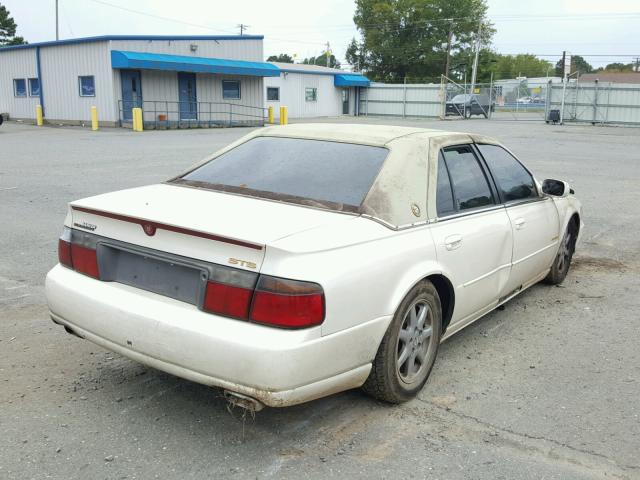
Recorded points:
(39, 74)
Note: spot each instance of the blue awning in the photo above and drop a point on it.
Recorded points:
(351, 80)
(161, 61)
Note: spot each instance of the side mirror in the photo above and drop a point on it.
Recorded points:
(557, 188)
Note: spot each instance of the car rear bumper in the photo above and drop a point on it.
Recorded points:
(277, 367)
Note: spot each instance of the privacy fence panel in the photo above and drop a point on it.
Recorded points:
(597, 102)
(412, 100)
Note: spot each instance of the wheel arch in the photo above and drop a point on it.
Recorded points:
(443, 286)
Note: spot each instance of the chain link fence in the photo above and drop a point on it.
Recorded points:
(519, 99)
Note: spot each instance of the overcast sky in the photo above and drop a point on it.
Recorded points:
(302, 27)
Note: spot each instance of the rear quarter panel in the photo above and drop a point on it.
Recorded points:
(365, 269)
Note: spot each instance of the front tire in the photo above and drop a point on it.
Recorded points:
(408, 350)
(562, 262)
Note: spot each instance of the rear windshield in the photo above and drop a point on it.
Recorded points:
(314, 172)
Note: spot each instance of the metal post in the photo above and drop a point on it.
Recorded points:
(547, 101)
(94, 118)
(464, 105)
(443, 96)
(230, 115)
(404, 98)
(491, 96)
(595, 102)
(474, 72)
(57, 30)
(564, 90)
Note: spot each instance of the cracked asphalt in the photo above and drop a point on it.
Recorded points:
(547, 388)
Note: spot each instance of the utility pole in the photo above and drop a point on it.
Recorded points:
(449, 40)
(328, 53)
(57, 30)
(242, 28)
(637, 64)
(474, 72)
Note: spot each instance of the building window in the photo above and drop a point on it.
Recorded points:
(273, 94)
(231, 89)
(311, 94)
(87, 86)
(34, 87)
(19, 87)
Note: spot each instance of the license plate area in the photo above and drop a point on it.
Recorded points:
(165, 275)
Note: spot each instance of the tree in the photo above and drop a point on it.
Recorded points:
(8, 29)
(282, 57)
(322, 60)
(618, 67)
(513, 66)
(578, 64)
(408, 38)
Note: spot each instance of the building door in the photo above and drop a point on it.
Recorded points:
(345, 101)
(131, 92)
(188, 99)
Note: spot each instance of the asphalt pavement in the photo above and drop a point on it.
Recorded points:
(547, 388)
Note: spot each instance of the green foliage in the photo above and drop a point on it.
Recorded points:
(8, 29)
(618, 68)
(408, 38)
(578, 64)
(514, 66)
(322, 60)
(282, 57)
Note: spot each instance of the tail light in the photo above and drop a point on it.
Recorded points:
(270, 301)
(287, 303)
(77, 254)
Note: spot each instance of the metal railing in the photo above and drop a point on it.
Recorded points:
(163, 114)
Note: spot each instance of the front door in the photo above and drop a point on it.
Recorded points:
(473, 234)
(345, 101)
(534, 219)
(187, 96)
(131, 92)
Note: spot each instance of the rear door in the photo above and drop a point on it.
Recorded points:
(131, 92)
(472, 233)
(188, 98)
(534, 219)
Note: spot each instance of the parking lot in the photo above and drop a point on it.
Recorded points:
(547, 388)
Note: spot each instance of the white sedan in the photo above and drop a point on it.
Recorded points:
(305, 260)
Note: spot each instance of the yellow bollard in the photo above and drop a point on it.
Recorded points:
(39, 120)
(271, 114)
(284, 116)
(94, 118)
(137, 119)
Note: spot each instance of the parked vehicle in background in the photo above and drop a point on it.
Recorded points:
(1, 119)
(304, 260)
(468, 104)
(524, 100)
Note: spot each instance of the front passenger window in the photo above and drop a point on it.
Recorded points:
(513, 180)
(470, 186)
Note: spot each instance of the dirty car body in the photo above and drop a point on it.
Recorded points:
(275, 268)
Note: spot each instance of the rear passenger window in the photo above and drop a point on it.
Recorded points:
(470, 186)
(444, 196)
(513, 180)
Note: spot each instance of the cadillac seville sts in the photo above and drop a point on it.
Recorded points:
(305, 260)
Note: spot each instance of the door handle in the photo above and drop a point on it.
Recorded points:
(519, 223)
(453, 241)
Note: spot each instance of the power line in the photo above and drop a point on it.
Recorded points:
(159, 17)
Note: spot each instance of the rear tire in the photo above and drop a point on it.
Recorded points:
(562, 262)
(408, 350)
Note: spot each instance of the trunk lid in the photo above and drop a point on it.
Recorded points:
(211, 226)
